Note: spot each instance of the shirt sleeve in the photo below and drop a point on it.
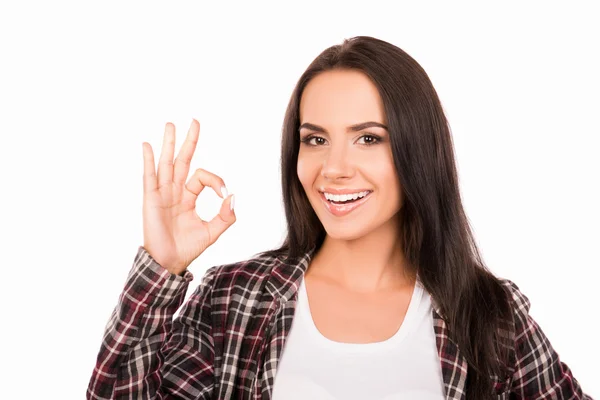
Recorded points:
(144, 353)
(539, 372)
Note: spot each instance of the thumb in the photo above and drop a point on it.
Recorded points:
(223, 220)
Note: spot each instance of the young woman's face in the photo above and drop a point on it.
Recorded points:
(337, 154)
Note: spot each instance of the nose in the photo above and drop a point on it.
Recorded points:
(336, 163)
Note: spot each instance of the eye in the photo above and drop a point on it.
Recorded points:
(370, 140)
(373, 139)
(309, 138)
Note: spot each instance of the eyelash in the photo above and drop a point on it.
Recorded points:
(308, 138)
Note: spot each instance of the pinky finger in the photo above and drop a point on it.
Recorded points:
(150, 183)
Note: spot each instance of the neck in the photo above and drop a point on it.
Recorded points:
(371, 263)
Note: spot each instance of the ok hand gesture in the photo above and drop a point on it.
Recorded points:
(174, 234)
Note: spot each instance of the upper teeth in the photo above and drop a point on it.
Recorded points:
(345, 197)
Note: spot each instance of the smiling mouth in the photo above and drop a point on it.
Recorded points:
(347, 201)
(342, 208)
(342, 202)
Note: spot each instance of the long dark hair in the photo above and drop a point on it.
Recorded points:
(435, 232)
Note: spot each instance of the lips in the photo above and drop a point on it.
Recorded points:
(340, 210)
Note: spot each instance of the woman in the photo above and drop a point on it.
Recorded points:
(378, 291)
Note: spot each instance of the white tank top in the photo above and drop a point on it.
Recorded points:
(405, 366)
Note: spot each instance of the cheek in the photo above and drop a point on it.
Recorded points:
(304, 172)
(384, 174)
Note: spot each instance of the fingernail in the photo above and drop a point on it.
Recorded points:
(232, 201)
(224, 191)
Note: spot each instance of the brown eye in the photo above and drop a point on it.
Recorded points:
(309, 138)
(373, 139)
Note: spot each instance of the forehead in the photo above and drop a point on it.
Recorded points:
(341, 97)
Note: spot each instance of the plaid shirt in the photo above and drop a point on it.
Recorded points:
(228, 337)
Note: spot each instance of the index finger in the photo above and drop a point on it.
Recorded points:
(199, 181)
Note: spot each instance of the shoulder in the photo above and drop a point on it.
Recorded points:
(519, 300)
(236, 292)
(256, 267)
(538, 371)
(515, 328)
(524, 327)
(242, 276)
(520, 306)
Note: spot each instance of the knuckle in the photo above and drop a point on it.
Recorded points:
(183, 161)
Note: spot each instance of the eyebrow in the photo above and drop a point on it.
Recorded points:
(352, 128)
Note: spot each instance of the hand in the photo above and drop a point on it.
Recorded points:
(174, 234)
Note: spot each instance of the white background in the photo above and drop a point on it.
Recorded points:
(83, 85)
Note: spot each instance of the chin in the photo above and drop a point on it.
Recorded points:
(340, 232)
